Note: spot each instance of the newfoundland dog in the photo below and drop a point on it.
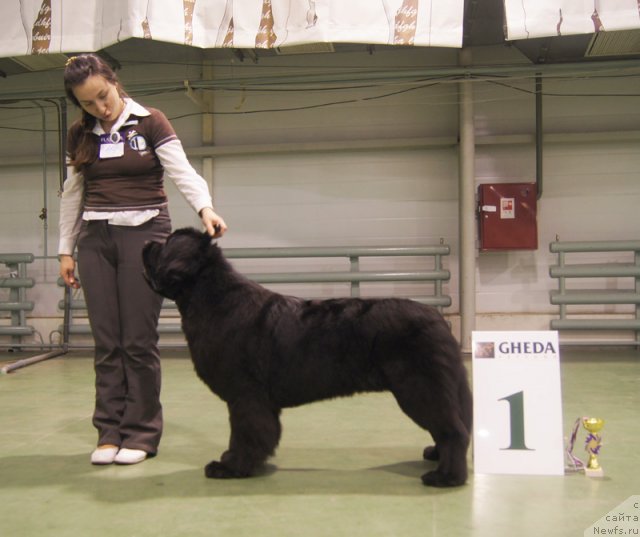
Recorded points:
(261, 351)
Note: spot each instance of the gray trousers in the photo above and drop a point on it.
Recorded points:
(123, 313)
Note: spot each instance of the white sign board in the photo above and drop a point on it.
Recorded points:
(517, 403)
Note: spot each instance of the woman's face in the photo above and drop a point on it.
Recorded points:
(100, 98)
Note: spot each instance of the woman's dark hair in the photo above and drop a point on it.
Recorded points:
(78, 68)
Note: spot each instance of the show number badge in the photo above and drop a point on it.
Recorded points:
(517, 403)
(111, 145)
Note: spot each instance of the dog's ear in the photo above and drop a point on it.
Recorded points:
(189, 231)
(202, 239)
(208, 246)
(206, 239)
(210, 250)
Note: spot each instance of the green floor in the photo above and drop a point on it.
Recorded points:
(348, 467)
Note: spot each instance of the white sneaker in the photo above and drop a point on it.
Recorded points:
(104, 455)
(130, 456)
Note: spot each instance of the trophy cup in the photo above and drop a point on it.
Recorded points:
(592, 445)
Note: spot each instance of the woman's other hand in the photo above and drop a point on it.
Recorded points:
(67, 271)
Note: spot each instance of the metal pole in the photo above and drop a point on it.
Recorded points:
(354, 262)
(467, 210)
(539, 136)
(43, 213)
(637, 288)
(33, 360)
(62, 145)
(62, 141)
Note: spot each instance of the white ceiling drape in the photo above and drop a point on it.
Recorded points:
(54, 26)
(542, 18)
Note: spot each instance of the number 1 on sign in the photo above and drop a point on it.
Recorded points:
(516, 413)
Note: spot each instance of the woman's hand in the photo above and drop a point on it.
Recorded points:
(213, 223)
(67, 269)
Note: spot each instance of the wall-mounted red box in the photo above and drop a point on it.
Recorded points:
(507, 216)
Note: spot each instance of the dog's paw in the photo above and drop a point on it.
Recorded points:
(219, 470)
(438, 479)
(431, 453)
(215, 470)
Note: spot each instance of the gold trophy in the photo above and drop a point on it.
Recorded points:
(592, 445)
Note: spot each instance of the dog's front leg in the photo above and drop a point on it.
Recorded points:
(255, 433)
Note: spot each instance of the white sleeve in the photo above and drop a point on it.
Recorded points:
(71, 204)
(177, 167)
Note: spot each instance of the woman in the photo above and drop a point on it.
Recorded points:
(113, 202)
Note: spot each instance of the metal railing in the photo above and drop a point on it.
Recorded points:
(14, 278)
(435, 274)
(597, 294)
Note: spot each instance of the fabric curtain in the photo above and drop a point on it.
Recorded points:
(54, 26)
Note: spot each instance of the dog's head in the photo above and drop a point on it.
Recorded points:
(172, 268)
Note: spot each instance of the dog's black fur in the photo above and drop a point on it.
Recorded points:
(261, 352)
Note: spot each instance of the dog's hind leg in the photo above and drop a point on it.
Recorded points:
(255, 433)
(452, 434)
(439, 412)
(431, 453)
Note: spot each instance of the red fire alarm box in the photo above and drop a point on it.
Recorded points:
(507, 216)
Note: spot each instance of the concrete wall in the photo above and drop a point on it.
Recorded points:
(343, 174)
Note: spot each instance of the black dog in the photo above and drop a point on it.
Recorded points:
(261, 352)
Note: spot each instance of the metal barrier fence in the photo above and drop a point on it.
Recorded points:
(14, 278)
(597, 294)
(436, 274)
